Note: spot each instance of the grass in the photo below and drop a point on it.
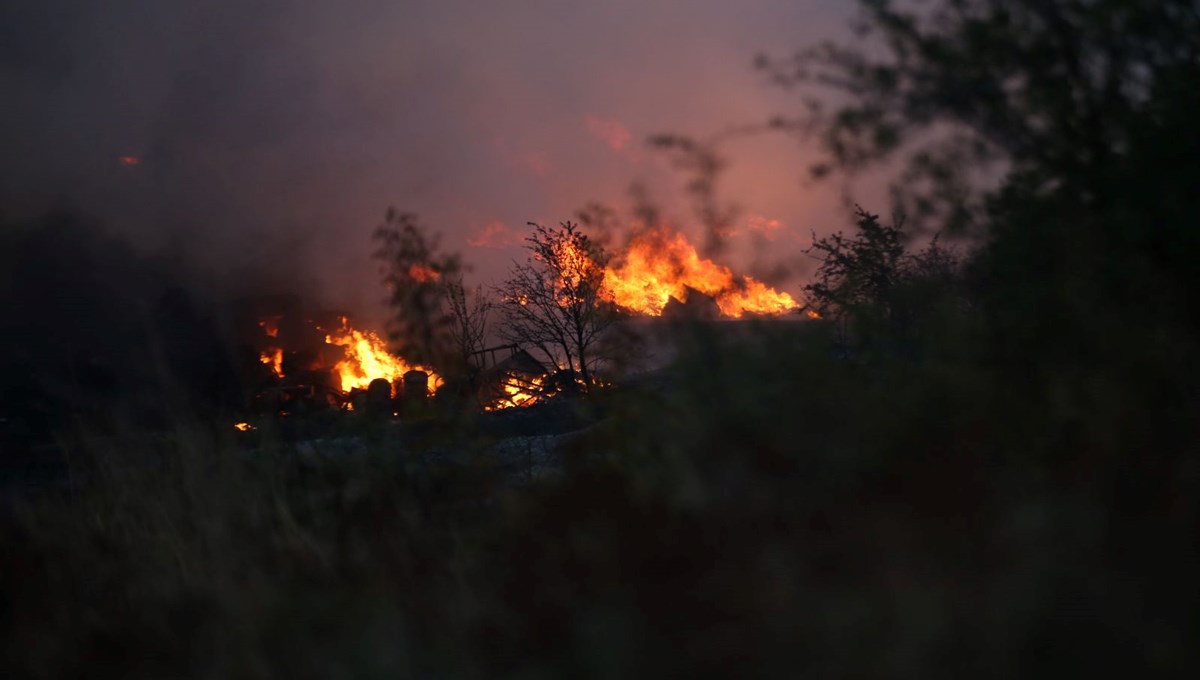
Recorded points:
(761, 509)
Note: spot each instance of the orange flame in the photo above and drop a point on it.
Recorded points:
(274, 359)
(367, 359)
(270, 327)
(661, 264)
(517, 392)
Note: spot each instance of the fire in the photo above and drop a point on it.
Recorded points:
(270, 327)
(274, 359)
(244, 427)
(660, 264)
(517, 392)
(367, 359)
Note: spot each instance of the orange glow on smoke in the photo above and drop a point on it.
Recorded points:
(129, 161)
(661, 264)
(367, 359)
(423, 274)
(270, 327)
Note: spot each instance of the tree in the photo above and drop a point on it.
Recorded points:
(1059, 93)
(435, 319)
(552, 302)
(469, 328)
(870, 279)
(415, 274)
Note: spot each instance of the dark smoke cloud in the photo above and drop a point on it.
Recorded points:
(270, 136)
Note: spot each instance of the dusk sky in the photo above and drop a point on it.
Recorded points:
(273, 131)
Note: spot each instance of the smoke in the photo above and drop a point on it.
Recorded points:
(269, 137)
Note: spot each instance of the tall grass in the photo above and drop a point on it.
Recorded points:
(761, 508)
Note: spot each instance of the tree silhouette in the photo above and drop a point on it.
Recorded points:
(552, 302)
(422, 324)
(1056, 92)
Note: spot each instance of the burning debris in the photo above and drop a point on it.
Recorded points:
(519, 380)
(367, 359)
(321, 362)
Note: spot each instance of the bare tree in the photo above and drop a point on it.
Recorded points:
(552, 302)
(468, 331)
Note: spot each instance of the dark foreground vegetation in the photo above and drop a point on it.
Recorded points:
(982, 464)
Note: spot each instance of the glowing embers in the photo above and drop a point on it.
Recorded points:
(367, 359)
(270, 327)
(661, 264)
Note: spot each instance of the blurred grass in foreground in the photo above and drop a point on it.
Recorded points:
(760, 508)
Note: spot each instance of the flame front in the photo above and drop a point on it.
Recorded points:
(367, 359)
(660, 264)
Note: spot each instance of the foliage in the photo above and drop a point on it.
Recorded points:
(415, 273)
(1056, 90)
(435, 319)
(871, 281)
(552, 302)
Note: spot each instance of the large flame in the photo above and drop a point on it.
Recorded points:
(661, 264)
(367, 359)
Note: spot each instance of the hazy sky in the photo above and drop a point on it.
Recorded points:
(272, 135)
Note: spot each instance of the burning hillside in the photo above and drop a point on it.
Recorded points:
(660, 264)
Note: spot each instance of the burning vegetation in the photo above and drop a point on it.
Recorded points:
(660, 264)
(322, 361)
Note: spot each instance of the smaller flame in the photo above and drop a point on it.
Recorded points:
(812, 314)
(270, 327)
(367, 359)
(244, 427)
(518, 392)
(274, 359)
